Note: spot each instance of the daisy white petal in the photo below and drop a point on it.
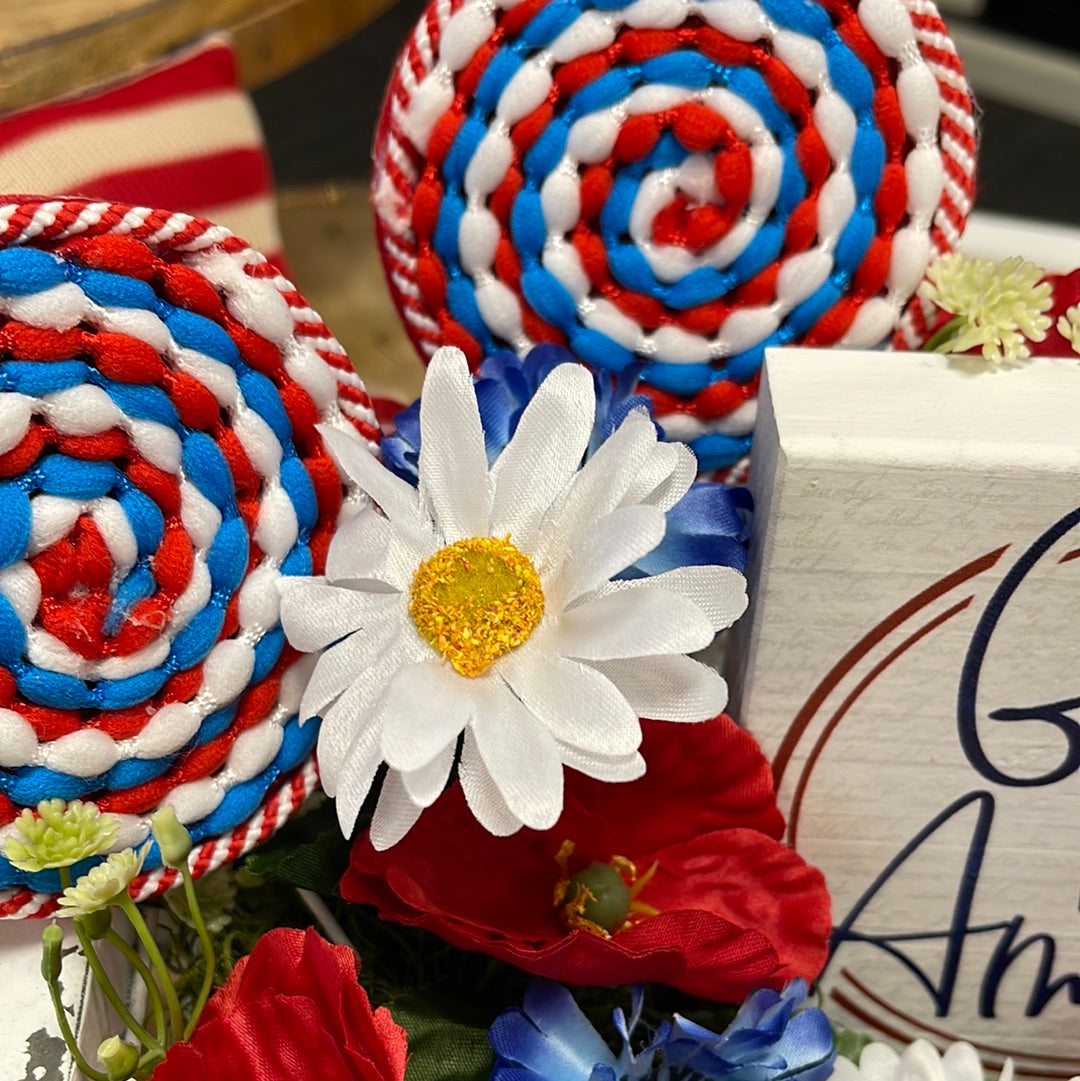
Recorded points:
(398, 500)
(920, 1060)
(482, 793)
(580, 706)
(369, 546)
(426, 784)
(453, 463)
(526, 768)
(348, 731)
(620, 768)
(844, 1070)
(617, 541)
(534, 468)
(878, 1062)
(633, 623)
(356, 548)
(315, 613)
(665, 478)
(356, 709)
(425, 708)
(337, 668)
(961, 1062)
(720, 592)
(395, 814)
(672, 688)
(358, 768)
(597, 489)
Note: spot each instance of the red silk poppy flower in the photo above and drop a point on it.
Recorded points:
(737, 909)
(292, 1008)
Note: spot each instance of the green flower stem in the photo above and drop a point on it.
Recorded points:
(176, 1015)
(69, 1038)
(207, 947)
(945, 334)
(153, 992)
(147, 1064)
(109, 990)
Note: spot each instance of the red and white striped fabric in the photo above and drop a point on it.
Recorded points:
(183, 135)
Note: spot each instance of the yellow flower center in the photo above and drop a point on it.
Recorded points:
(475, 600)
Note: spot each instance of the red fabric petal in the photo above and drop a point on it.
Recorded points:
(723, 779)
(738, 909)
(292, 1008)
(1066, 294)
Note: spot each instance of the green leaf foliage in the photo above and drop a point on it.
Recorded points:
(447, 1037)
(309, 852)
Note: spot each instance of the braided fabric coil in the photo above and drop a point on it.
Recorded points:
(160, 472)
(674, 183)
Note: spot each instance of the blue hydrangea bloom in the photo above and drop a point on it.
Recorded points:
(771, 1039)
(709, 525)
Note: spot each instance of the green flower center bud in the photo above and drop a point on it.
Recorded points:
(607, 896)
(118, 1058)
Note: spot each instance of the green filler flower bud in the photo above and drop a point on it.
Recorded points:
(173, 840)
(52, 943)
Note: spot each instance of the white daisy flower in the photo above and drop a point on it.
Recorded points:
(919, 1061)
(483, 602)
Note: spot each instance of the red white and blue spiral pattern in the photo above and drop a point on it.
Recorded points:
(679, 184)
(160, 472)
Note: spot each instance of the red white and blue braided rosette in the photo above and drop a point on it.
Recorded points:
(160, 471)
(674, 183)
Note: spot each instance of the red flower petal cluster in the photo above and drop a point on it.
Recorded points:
(291, 1009)
(737, 908)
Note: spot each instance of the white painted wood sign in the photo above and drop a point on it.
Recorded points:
(911, 665)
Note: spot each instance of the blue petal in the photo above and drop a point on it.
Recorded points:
(550, 1036)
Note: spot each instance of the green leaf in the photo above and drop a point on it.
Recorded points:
(447, 1038)
(850, 1044)
(308, 851)
(314, 865)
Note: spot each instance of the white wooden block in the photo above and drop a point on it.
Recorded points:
(31, 1048)
(911, 665)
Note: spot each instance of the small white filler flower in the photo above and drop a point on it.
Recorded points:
(999, 308)
(103, 883)
(483, 603)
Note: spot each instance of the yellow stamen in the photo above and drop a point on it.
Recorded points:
(475, 600)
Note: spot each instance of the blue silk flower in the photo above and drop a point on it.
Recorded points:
(772, 1038)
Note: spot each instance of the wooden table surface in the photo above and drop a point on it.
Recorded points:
(55, 48)
(329, 235)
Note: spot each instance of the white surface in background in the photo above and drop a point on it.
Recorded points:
(1055, 247)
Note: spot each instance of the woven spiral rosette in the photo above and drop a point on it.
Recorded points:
(160, 471)
(672, 183)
